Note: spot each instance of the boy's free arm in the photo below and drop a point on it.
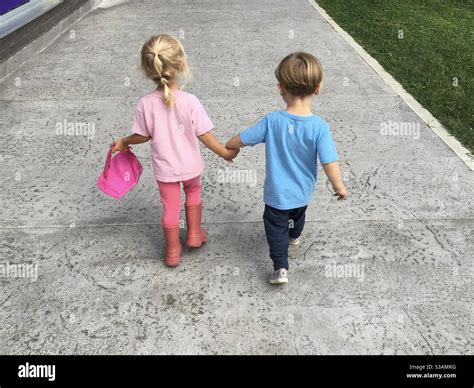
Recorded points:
(333, 172)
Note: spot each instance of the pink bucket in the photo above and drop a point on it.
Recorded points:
(121, 173)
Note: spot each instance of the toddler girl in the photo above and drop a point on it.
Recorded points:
(173, 121)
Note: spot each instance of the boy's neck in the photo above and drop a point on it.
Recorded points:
(299, 106)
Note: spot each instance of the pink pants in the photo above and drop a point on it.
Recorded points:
(170, 195)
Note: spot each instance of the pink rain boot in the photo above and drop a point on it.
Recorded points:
(196, 236)
(173, 246)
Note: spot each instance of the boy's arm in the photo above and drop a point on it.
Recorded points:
(210, 141)
(235, 142)
(123, 142)
(333, 172)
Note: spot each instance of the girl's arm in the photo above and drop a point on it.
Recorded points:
(123, 142)
(235, 142)
(210, 141)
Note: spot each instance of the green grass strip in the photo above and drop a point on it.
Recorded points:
(426, 45)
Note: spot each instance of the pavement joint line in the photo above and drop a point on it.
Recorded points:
(453, 143)
(395, 220)
(219, 100)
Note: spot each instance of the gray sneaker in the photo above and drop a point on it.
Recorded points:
(294, 241)
(279, 276)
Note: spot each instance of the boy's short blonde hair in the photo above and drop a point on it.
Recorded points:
(299, 73)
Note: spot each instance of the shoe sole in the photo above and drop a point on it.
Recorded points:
(280, 281)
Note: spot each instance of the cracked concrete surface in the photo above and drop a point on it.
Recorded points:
(102, 287)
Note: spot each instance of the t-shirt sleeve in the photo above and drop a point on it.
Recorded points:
(139, 123)
(325, 146)
(255, 134)
(200, 120)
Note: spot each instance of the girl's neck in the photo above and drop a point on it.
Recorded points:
(172, 86)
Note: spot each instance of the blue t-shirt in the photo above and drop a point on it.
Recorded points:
(292, 146)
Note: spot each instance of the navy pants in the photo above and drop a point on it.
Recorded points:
(279, 225)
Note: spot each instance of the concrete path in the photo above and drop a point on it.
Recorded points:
(102, 287)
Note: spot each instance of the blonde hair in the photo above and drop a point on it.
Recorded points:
(162, 60)
(299, 73)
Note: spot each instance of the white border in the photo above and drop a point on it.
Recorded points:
(424, 114)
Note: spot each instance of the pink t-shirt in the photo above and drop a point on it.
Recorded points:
(175, 151)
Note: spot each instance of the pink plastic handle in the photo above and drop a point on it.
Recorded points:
(107, 161)
(109, 158)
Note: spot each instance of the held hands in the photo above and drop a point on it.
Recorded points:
(230, 153)
(340, 192)
(210, 141)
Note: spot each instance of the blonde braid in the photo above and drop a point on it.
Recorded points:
(163, 60)
(166, 92)
(161, 77)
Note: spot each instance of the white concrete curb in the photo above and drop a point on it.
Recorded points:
(424, 114)
(19, 59)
